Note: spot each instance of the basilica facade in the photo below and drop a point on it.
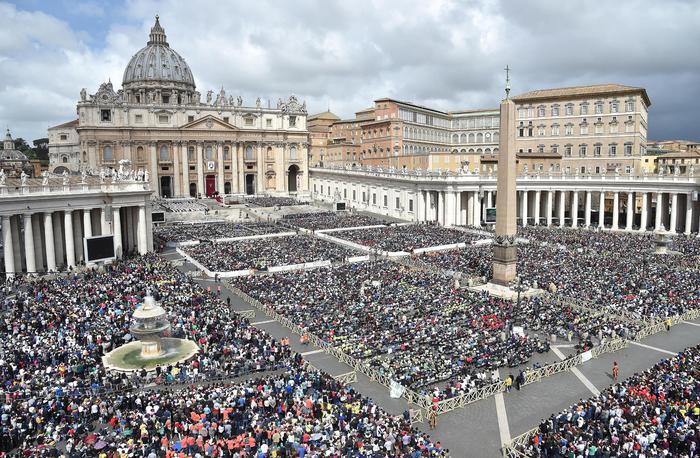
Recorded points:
(189, 145)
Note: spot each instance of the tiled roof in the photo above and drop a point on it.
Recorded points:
(73, 123)
(579, 91)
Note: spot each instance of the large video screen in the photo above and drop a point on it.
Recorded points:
(99, 248)
(158, 217)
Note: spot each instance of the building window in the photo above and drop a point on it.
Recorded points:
(540, 131)
(164, 154)
(555, 149)
(106, 115)
(614, 107)
(64, 159)
(629, 105)
(567, 150)
(354, 195)
(386, 201)
(269, 155)
(597, 170)
(628, 149)
(583, 169)
(249, 154)
(166, 99)
(190, 119)
(596, 150)
(569, 110)
(162, 119)
(138, 118)
(292, 121)
(628, 169)
(584, 109)
(293, 153)
(540, 112)
(582, 150)
(64, 137)
(268, 122)
(107, 154)
(227, 153)
(248, 121)
(599, 108)
(613, 128)
(374, 199)
(555, 130)
(569, 129)
(555, 110)
(209, 153)
(598, 128)
(584, 129)
(398, 203)
(226, 119)
(613, 150)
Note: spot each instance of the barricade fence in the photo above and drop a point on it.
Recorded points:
(517, 447)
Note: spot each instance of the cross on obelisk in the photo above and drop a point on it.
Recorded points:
(504, 250)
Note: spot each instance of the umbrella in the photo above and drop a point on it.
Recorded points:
(177, 446)
(100, 444)
(90, 438)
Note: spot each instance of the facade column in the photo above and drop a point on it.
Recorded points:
(240, 151)
(37, 222)
(688, 213)
(550, 204)
(562, 208)
(87, 223)
(220, 166)
(117, 231)
(616, 211)
(68, 232)
(176, 147)
(630, 211)
(441, 208)
(260, 173)
(234, 167)
(104, 224)
(538, 204)
(29, 243)
(56, 219)
(673, 223)
(142, 237)
(643, 223)
(184, 150)
(477, 209)
(16, 244)
(450, 208)
(574, 209)
(7, 246)
(601, 210)
(523, 208)
(587, 209)
(200, 169)
(48, 241)
(659, 203)
(153, 161)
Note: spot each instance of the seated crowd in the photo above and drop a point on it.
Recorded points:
(414, 326)
(653, 413)
(330, 220)
(407, 237)
(210, 231)
(179, 205)
(59, 400)
(273, 201)
(267, 252)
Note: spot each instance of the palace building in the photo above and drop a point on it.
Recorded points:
(187, 146)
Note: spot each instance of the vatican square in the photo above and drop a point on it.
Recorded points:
(373, 229)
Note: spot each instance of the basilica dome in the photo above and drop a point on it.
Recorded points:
(157, 65)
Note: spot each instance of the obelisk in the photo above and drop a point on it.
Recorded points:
(504, 249)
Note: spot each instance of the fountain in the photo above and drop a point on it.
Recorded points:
(150, 326)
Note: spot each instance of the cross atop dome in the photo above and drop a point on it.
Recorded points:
(157, 34)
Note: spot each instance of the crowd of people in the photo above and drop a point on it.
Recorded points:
(330, 220)
(417, 327)
(267, 252)
(653, 413)
(407, 237)
(185, 232)
(178, 205)
(269, 201)
(59, 400)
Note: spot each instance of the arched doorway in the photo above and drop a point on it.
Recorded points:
(166, 189)
(193, 190)
(292, 174)
(250, 184)
(227, 187)
(210, 185)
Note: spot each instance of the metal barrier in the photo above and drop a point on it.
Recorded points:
(621, 315)
(457, 402)
(247, 314)
(417, 416)
(347, 378)
(517, 447)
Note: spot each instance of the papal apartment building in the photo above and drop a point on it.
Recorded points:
(187, 145)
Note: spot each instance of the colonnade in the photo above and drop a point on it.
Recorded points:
(49, 241)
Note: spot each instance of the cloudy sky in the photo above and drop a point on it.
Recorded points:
(447, 54)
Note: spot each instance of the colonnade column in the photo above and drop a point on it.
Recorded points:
(550, 204)
(58, 238)
(29, 243)
(117, 231)
(184, 150)
(449, 208)
(659, 202)
(630, 211)
(674, 213)
(616, 210)
(587, 209)
(645, 207)
(538, 198)
(7, 245)
(477, 209)
(68, 233)
(142, 236)
(562, 208)
(48, 241)
(464, 208)
(523, 208)
(176, 169)
(688, 213)
(574, 209)
(601, 210)
(87, 223)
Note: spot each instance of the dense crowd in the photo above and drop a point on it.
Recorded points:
(273, 201)
(416, 327)
(652, 413)
(185, 232)
(178, 205)
(407, 237)
(58, 399)
(267, 252)
(330, 220)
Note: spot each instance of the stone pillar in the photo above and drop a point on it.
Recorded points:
(29, 243)
(184, 150)
(87, 223)
(176, 148)
(153, 162)
(550, 204)
(630, 211)
(142, 236)
(104, 224)
(234, 167)
(523, 208)
(616, 211)
(643, 223)
(117, 231)
(688, 213)
(449, 208)
(7, 246)
(68, 233)
(240, 151)
(220, 167)
(489, 199)
(37, 223)
(464, 209)
(78, 236)
(16, 244)
(673, 222)
(562, 208)
(574, 209)
(659, 211)
(601, 210)
(441, 208)
(200, 170)
(538, 204)
(48, 241)
(587, 209)
(477, 209)
(56, 219)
